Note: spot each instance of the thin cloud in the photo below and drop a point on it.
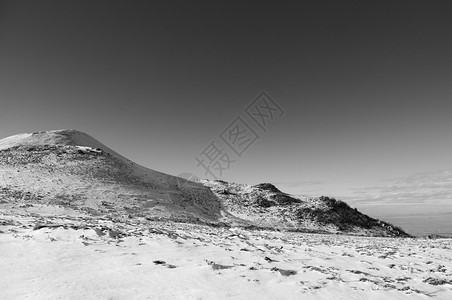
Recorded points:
(428, 187)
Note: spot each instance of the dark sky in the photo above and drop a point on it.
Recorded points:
(365, 86)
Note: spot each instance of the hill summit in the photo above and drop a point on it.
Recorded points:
(63, 137)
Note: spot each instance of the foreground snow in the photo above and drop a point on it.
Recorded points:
(78, 257)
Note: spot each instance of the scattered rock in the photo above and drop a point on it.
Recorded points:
(436, 281)
(164, 263)
(284, 272)
(269, 259)
(99, 232)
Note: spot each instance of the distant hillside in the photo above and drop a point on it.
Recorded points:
(264, 205)
(70, 169)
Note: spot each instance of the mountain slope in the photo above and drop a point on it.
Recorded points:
(71, 169)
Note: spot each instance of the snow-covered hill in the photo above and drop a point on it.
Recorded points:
(72, 170)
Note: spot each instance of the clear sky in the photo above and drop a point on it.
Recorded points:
(365, 86)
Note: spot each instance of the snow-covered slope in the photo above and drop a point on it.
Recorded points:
(74, 257)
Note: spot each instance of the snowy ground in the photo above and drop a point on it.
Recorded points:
(47, 256)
